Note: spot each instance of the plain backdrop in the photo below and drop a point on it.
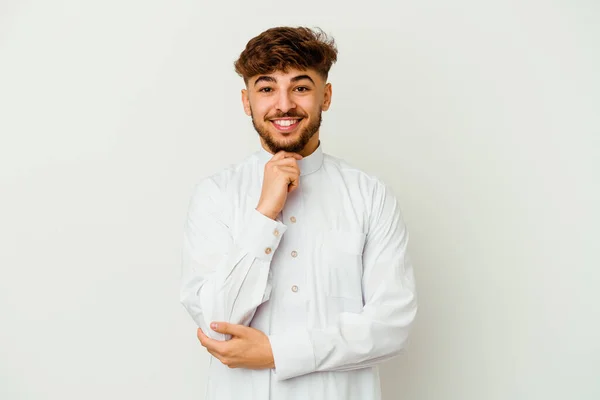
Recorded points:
(482, 115)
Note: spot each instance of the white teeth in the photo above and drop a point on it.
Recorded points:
(286, 122)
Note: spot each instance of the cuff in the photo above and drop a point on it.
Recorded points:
(293, 354)
(261, 235)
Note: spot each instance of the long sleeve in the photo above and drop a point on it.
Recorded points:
(225, 277)
(380, 331)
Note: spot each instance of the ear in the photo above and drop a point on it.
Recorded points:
(246, 102)
(327, 97)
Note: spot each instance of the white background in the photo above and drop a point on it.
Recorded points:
(483, 116)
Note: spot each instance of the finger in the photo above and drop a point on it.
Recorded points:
(285, 154)
(288, 161)
(293, 185)
(215, 354)
(295, 172)
(290, 172)
(210, 343)
(201, 336)
(286, 171)
(224, 360)
(204, 340)
(231, 329)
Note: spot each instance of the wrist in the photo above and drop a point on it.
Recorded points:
(268, 214)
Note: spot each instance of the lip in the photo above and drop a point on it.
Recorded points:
(285, 129)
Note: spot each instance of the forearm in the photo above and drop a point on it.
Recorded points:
(356, 341)
(232, 298)
(217, 287)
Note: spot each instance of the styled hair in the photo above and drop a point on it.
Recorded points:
(284, 48)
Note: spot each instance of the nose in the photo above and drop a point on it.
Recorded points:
(285, 102)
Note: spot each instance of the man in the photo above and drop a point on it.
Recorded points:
(294, 264)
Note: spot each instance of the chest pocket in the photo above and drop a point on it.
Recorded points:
(342, 251)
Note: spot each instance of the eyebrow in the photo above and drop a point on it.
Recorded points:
(301, 77)
(265, 78)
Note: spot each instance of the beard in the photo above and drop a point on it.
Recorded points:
(295, 146)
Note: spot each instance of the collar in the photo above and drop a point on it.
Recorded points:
(308, 165)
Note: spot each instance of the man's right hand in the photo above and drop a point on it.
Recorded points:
(281, 177)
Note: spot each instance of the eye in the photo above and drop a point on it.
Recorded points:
(302, 89)
(265, 90)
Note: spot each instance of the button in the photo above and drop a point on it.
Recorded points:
(293, 219)
(276, 232)
(294, 288)
(294, 254)
(268, 250)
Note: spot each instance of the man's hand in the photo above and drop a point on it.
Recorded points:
(281, 177)
(248, 347)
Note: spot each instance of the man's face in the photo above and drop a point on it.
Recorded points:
(286, 107)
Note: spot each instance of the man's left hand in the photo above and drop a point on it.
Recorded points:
(248, 347)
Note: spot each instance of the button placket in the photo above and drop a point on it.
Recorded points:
(292, 215)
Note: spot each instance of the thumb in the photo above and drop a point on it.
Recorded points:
(227, 328)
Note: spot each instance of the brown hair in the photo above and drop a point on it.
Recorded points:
(282, 48)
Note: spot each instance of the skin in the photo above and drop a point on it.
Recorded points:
(282, 95)
(293, 94)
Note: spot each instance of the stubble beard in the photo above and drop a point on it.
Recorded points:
(293, 147)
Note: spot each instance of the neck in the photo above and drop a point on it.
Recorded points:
(311, 146)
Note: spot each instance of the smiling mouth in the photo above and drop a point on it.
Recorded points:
(286, 125)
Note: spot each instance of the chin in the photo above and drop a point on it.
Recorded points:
(285, 138)
(290, 146)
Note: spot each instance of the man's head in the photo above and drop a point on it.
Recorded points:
(285, 71)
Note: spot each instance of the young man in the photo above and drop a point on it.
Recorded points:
(294, 264)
